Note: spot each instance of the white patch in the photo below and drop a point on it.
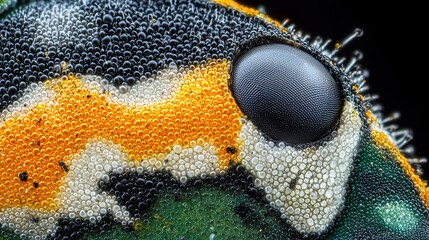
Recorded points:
(29, 223)
(319, 174)
(34, 95)
(57, 19)
(79, 196)
(144, 92)
(199, 161)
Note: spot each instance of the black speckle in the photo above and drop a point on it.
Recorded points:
(231, 150)
(35, 184)
(23, 176)
(293, 182)
(34, 219)
(177, 196)
(64, 166)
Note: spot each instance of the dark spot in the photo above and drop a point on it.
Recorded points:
(64, 166)
(35, 184)
(23, 176)
(166, 161)
(231, 150)
(230, 162)
(34, 219)
(246, 214)
(293, 182)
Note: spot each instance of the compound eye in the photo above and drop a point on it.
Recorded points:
(288, 94)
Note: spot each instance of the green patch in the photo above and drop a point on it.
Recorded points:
(205, 213)
(201, 213)
(382, 202)
(6, 234)
(6, 4)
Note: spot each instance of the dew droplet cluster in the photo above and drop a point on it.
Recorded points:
(187, 133)
(307, 185)
(88, 93)
(120, 42)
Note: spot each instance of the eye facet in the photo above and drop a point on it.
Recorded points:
(288, 94)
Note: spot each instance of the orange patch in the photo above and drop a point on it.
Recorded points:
(248, 11)
(36, 142)
(383, 141)
(372, 119)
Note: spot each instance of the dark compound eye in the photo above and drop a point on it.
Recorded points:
(288, 94)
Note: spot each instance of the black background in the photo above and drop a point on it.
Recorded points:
(391, 44)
